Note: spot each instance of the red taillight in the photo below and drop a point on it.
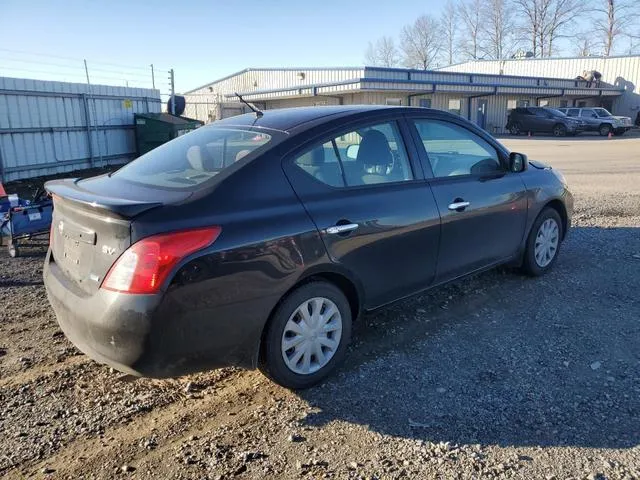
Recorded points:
(146, 264)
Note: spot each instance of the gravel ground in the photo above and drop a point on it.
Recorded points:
(495, 376)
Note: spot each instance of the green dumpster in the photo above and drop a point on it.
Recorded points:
(154, 129)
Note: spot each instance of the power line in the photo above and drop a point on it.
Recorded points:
(22, 52)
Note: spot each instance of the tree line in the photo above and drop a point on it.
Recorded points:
(498, 29)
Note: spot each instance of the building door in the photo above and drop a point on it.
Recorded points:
(481, 113)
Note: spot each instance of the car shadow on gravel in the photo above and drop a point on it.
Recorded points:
(504, 359)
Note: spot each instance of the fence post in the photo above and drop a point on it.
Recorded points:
(1, 168)
(87, 118)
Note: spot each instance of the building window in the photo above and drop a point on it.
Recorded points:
(564, 103)
(393, 101)
(582, 104)
(512, 103)
(544, 103)
(455, 106)
(425, 102)
(523, 103)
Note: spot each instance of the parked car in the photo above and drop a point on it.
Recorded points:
(599, 120)
(187, 259)
(543, 120)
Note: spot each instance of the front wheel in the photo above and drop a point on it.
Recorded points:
(543, 243)
(307, 336)
(605, 129)
(559, 131)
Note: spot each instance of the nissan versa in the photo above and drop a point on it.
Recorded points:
(256, 241)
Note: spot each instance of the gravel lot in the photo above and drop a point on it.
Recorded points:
(496, 376)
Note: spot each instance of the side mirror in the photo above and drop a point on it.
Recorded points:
(517, 162)
(352, 151)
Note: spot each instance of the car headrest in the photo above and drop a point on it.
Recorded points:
(194, 157)
(374, 149)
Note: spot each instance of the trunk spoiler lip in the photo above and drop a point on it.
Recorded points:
(68, 189)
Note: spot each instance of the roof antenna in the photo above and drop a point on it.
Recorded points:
(252, 107)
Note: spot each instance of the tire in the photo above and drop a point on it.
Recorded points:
(272, 361)
(559, 130)
(515, 129)
(604, 129)
(531, 265)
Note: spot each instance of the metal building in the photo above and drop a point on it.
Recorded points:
(484, 98)
(620, 71)
(54, 127)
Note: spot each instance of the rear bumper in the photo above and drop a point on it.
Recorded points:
(160, 336)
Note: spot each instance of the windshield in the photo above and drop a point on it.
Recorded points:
(555, 113)
(602, 112)
(190, 160)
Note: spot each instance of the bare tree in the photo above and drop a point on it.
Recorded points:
(546, 21)
(382, 53)
(449, 27)
(420, 43)
(614, 19)
(561, 14)
(471, 16)
(498, 26)
(585, 45)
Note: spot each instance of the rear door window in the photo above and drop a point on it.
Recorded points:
(574, 112)
(189, 161)
(367, 155)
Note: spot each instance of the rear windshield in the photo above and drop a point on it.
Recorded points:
(190, 160)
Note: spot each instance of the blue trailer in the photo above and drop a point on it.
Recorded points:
(22, 219)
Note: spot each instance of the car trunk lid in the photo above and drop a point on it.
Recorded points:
(91, 224)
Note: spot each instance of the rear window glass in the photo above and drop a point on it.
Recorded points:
(190, 160)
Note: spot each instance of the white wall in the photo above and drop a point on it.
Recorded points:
(53, 127)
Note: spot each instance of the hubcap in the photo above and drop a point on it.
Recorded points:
(547, 240)
(311, 336)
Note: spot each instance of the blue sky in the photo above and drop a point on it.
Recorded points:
(201, 40)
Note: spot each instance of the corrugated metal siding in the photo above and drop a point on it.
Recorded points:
(43, 125)
(619, 71)
(208, 97)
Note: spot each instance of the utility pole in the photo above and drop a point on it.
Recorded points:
(153, 78)
(86, 70)
(173, 92)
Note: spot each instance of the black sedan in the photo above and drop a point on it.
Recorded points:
(256, 241)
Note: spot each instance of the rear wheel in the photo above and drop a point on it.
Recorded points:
(307, 336)
(543, 243)
(559, 130)
(515, 129)
(604, 129)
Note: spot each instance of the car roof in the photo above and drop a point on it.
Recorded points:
(287, 119)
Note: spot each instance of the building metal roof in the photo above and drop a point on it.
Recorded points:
(413, 82)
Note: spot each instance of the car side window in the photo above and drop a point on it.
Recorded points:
(322, 163)
(368, 155)
(588, 113)
(453, 150)
(574, 112)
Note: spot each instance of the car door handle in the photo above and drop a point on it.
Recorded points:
(338, 229)
(458, 205)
